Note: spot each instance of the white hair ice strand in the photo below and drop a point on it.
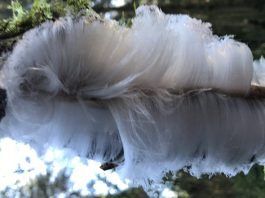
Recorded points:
(160, 96)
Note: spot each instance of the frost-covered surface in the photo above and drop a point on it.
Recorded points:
(20, 170)
(108, 92)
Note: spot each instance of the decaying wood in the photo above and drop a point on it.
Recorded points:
(257, 92)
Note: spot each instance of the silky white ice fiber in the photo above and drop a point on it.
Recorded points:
(162, 95)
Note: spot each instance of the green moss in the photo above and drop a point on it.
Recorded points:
(41, 10)
(75, 6)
